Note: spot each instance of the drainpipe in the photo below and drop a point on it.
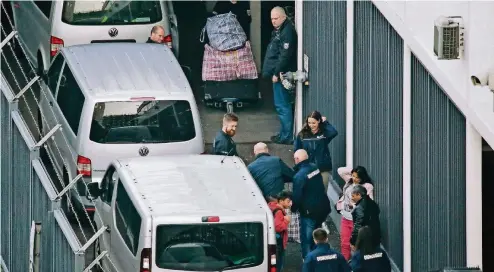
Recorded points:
(349, 81)
(300, 52)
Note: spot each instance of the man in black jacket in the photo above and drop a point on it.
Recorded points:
(309, 198)
(223, 143)
(365, 213)
(157, 34)
(281, 57)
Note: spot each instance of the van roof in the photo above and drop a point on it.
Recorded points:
(128, 68)
(194, 184)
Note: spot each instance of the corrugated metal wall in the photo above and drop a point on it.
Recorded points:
(5, 187)
(378, 84)
(325, 44)
(438, 176)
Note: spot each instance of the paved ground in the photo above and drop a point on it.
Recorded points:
(256, 124)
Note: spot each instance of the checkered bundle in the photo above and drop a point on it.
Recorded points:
(225, 33)
(226, 66)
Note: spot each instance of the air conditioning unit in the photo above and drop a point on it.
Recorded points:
(449, 37)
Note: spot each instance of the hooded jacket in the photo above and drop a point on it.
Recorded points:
(316, 146)
(280, 224)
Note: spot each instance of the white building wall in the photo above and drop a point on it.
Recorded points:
(478, 16)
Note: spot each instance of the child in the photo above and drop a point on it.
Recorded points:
(323, 258)
(281, 221)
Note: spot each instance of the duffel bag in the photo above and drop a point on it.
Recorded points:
(224, 32)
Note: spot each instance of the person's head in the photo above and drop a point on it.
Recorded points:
(278, 16)
(233, 1)
(364, 241)
(300, 156)
(285, 199)
(157, 34)
(360, 175)
(260, 148)
(313, 123)
(230, 122)
(358, 192)
(320, 236)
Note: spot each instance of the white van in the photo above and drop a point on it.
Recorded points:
(183, 213)
(46, 26)
(115, 101)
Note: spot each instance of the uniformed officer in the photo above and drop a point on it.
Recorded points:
(323, 258)
(281, 57)
(309, 198)
(223, 143)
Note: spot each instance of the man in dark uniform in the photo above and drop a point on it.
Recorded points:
(323, 258)
(365, 213)
(157, 34)
(269, 172)
(309, 198)
(241, 9)
(223, 143)
(281, 57)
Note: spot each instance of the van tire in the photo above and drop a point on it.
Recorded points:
(40, 68)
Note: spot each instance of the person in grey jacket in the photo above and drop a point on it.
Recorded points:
(269, 172)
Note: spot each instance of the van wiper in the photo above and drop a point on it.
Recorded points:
(235, 266)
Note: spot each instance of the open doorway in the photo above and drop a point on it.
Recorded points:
(487, 223)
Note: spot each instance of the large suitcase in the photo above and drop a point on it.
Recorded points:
(240, 90)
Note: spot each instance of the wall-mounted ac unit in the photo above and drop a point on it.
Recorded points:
(449, 37)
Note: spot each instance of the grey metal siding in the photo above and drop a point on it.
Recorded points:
(378, 120)
(438, 176)
(324, 32)
(5, 186)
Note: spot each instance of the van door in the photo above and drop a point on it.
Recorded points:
(47, 119)
(173, 23)
(125, 231)
(70, 102)
(103, 205)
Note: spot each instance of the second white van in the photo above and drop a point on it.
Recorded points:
(183, 213)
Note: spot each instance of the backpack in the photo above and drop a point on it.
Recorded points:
(279, 235)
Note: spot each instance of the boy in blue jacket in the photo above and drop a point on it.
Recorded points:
(323, 258)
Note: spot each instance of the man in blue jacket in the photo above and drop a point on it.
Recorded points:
(223, 143)
(281, 57)
(309, 198)
(323, 258)
(269, 172)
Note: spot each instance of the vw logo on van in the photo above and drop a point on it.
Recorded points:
(143, 151)
(113, 32)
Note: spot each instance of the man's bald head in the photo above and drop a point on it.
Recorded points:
(260, 148)
(278, 16)
(300, 156)
(157, 34)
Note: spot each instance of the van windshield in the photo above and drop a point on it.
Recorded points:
(148, 121)
(209, 247)
(111, 12)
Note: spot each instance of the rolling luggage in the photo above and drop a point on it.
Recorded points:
(234, 93)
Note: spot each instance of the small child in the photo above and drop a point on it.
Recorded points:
(278, 205)
(323, 258)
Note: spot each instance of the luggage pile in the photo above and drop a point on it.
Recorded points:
(228, 69)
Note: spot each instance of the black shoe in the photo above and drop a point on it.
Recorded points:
(283, 142)
(275, 138)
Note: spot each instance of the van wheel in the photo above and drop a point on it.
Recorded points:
(40, 67)
(65, 200)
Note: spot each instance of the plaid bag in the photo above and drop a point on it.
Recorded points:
(294, 226)
(224, 32)
(227, 66)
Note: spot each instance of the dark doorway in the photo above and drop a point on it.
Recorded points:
(266, 26)
(487, 223)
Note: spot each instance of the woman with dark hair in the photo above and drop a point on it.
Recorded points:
(368, 257)
(315, 137)
(344, 206)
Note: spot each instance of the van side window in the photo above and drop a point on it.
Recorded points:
(127, 219)
(108, 184)
(54, 73)
(70, 99)
(45, 7)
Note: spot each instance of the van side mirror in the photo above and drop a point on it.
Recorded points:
(94, 190)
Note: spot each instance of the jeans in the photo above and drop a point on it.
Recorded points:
(283, 106)
(307, 226)
(345, 235)
(280, 258)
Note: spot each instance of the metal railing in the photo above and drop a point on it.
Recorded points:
(35, 233)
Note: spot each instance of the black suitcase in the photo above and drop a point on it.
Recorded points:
(240, 90)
